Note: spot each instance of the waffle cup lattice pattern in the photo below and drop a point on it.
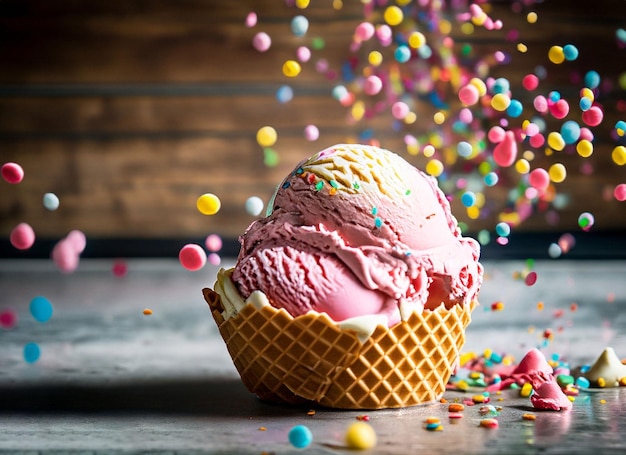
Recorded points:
(310, 359)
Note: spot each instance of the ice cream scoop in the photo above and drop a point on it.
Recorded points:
(607, 371)
(356, 230)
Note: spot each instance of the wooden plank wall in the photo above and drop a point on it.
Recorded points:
(128, 110)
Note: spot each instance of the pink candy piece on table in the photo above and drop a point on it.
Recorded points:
(548, 395)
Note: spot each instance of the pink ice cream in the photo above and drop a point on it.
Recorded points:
(356, 230)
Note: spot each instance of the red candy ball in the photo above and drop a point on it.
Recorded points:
(12, 173)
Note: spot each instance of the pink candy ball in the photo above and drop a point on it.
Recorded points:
(468, 95)
(399, 110)
(364, 31)
(22, 236)
(303, 53)
(620, 192)
(214, 259)
(560, 109)
(496, 134)
(539, 178)
(466, 116)
(12, 173)
(8, 319)
(593, 116)
(119, 268)
(537, 140)
(540, 104)
(213, 242)
(251, 19)
(373, 85)
(311, 133)
(531, 129)
(261, 41)
(384, 34)
(192, 257)
(65, 257)
(78, 240)
(530, 82)
(585, 133)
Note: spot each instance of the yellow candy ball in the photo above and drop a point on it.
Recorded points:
(429, 151)
(480, 19)
(555, 141)
(557, 172)
(556, 55)
(584, 148)
(586, 92)
(358, 110)
(375, 58)
(416, 40)
(410, 118)
(531, 17)
(434, 168)
(393, 15)
(500, 102)
(208, 204)
(302, 4)
(473, 212)
(266, 136)
(445, 26)
(439, 118)
(360, 436)
(480, 85)
(291, 68)
(467, 28)
(526, 390)
(412, 149)
(522, 166)
(619, 155)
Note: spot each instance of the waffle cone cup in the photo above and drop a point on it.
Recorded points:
(310, 359)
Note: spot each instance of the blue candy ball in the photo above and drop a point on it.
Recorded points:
(41, 309)
(31, 352)
(300, 436)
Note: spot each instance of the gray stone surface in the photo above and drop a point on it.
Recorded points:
(112, 380)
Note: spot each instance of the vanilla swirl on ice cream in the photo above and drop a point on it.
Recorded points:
(353, 231)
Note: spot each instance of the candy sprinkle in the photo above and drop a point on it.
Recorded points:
(489, 423)
(147, 311)
(528, 416)
(456, 407)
